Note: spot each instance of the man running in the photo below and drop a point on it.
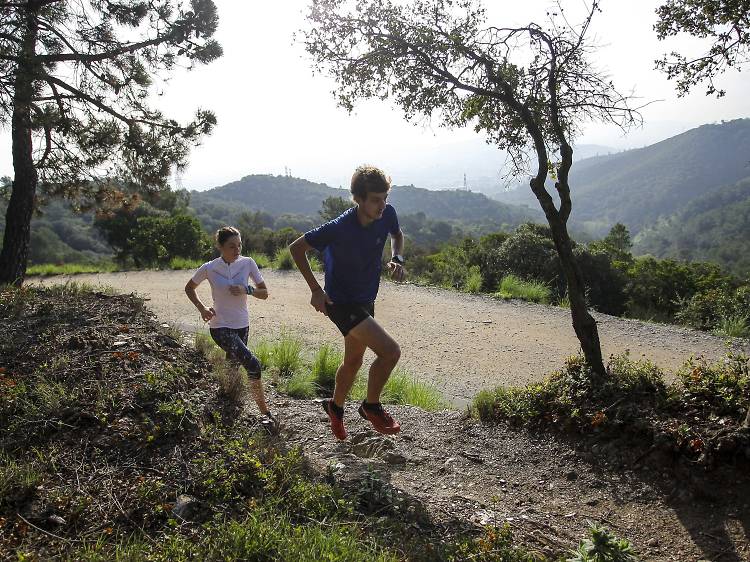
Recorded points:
(352, 246)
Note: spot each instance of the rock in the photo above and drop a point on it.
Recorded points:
(571, 475)
(592, 501)
(653, 542)
(56, 519)
(185, 506)
(372, 447)
(394, 458)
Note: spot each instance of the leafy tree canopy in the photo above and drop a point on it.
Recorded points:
(726, 23)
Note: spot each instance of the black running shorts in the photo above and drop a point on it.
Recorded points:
(346, 316)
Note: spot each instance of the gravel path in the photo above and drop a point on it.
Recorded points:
(462, 343)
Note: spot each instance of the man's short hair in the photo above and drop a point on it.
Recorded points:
(368, 179)
(225, 233)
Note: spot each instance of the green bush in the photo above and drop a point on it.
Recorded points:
(263, 350)
(47, 269)
(723, 387)
(574, 394)
(261, 260)
(528, 253)
(662, 285)
(185, 263)
(513, 287)
(707, 309)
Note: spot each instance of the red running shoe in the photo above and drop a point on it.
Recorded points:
(337, 422)
(381, 420)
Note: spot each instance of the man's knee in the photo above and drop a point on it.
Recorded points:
(352, 364)
(392, 353)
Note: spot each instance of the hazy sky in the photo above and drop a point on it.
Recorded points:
(272, 112)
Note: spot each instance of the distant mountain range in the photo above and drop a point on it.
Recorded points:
(638, 187)
(282, 195)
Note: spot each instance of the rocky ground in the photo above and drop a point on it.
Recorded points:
(547, 486)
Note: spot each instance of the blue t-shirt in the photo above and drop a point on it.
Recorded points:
(352, 254)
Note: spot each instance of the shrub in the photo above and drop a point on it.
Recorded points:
(602, 546)
(261, 260)
(723, 386)
(528, 254)
(513, 287)
(574, 393)
(263, 350)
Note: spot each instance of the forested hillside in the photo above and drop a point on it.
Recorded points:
(639, 186)
(277, 195)
(714, 227)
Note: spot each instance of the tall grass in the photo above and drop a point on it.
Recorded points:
(286, 354)
(735, 326)
(283, 259)
(47, 269)
(184, 263)
(513, 287)
(474, 281)
(315, 264)
(261, 260)
(263, 350)
(404, 388)
(325, 364)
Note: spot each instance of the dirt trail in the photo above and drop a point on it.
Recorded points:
(462, 343)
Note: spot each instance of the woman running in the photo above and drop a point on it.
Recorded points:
(229, 323)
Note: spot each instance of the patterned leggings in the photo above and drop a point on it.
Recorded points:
(234, 342)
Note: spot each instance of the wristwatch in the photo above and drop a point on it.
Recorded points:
(398, 258)
(249, 290)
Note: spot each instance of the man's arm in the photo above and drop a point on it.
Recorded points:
(398, 272)
(299, 249)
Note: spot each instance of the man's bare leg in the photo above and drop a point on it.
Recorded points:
(354, 352)
(387, 351)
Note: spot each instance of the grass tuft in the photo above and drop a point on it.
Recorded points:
(474, 281)
(283, 259)
(184, 263)
(513, 287)
(404, 388)
(261, 260)
(47, 269)
(325, 364)
(286, 354)
(736, 326)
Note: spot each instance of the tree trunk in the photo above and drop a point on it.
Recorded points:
(583, 323)
(15, 250)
